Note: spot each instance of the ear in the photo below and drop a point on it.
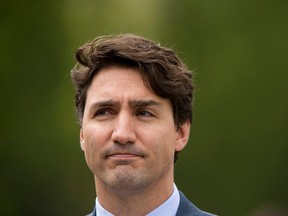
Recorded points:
(82, 143)
(182, 136)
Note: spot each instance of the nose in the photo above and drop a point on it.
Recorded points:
(124, 130)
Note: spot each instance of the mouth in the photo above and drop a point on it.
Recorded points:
(123, 156)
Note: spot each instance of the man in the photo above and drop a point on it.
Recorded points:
(134, 105)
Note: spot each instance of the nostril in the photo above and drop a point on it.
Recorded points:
(123, 132)
(123, 136)
(122, 143)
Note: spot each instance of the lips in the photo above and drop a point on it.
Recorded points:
(123, 155)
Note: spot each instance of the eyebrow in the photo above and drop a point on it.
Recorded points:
(143, 103)
(105, 103)
(132, 103)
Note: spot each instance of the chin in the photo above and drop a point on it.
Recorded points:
(127, 178)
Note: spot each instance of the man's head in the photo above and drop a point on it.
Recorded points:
(160, 69)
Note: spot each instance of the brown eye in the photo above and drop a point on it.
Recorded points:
(102, 113)
(144, 113)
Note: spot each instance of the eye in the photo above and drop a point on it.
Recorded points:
(102, 113)
(144, 113)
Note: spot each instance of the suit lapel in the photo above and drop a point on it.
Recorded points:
(186, 208)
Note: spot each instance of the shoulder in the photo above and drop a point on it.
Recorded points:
(187, 208)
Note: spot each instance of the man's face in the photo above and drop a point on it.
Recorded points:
(128, 133)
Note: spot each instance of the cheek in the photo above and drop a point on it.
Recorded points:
(161, 140)
(95, 135)
(94, 138)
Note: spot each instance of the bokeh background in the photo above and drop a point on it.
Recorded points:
(237, 157)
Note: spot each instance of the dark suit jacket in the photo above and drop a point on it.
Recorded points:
(186, 208)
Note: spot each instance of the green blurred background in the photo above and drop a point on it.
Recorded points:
(237, 156)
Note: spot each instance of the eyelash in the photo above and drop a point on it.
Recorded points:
(145, 112)
(102, 112)
(106, 111)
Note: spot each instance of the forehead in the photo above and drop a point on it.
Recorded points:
(118, 82)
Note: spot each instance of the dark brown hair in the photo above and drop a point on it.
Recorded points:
(160, 68)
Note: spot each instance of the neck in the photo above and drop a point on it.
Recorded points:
(134, 202)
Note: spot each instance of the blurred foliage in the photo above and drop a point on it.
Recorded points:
(237, 155)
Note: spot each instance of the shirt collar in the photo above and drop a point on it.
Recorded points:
(100, 211)
(168, 208)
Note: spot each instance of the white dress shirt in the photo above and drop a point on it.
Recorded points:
(168, 208)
